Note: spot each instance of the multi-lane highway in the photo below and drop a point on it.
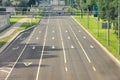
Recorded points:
(56, 49)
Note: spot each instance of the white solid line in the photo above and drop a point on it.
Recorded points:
(81, 45)
(20, 55)
(66, 69)
(40, 62)
(65, 61)
(94, 68)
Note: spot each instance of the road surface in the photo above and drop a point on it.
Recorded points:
(57, 49)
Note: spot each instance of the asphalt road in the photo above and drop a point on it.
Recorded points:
(57, 49)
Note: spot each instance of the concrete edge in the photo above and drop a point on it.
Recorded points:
(108, 52)
(12, 39)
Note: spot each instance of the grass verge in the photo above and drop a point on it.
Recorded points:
(100, 34)
(24, 26)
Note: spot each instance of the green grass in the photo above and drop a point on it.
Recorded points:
(24, 26)
(102, 38)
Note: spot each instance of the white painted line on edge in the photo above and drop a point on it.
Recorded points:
(66, 31)
(84, 37)
(4, 71)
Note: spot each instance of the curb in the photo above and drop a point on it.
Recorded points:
(12, 39)
(108, 52)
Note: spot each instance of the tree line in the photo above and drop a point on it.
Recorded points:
(107, 9)
(18, 3)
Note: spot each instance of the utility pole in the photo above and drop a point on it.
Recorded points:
(119, 27)
(108, 25)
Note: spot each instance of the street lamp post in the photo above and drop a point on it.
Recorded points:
(119, 27)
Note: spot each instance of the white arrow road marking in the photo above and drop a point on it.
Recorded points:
(72, 46)
(91, 46)
(15, 48)
(22, 38)
(53, 47)
(53, 38)
(27, 63)
(27, 32)
(68, 37)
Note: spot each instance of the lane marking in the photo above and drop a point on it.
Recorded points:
(84, 37)
(65, 61)
(27, 63)
(15, 48)
(66, 69)
(69, 37)
(72, 46)
(53, 47)
(91, 46)
(81, 45)
(39, 31)
(20, 54)
(22, 38)
(53, 38)
(66, 31)
(94, 68)
(40, 61)
(53, 31)
(37, 38)
(33, 47)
